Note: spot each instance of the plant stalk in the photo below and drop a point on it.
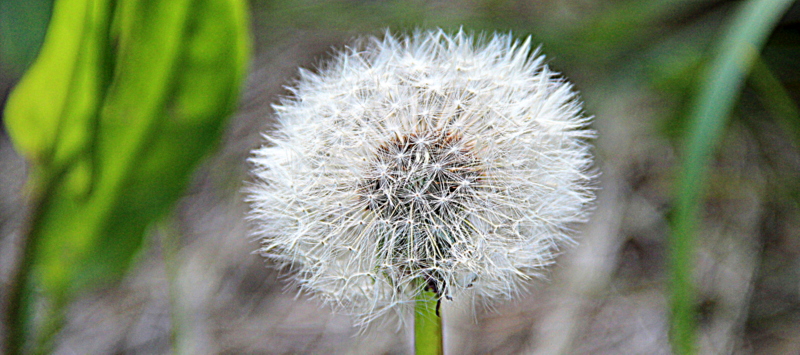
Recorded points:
(427, 325)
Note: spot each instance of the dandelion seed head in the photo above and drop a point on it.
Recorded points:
(431, 161)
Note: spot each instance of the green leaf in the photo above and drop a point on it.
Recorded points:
(718, 91)
(191, 94)
(179, 65)
(49, 114)
(123, 102)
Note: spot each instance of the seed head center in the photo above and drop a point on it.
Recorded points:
(428, 177)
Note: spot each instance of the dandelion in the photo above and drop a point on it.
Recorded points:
(434, 162)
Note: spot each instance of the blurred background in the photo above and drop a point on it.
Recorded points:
(635, 63)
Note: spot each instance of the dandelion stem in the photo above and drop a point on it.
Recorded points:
(427, 325)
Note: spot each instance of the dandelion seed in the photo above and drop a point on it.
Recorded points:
(432, 162)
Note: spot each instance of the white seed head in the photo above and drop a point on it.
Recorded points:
(429, 162)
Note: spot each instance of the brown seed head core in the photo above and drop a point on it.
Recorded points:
(422, 187)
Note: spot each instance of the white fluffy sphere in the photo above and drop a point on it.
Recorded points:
(432, 161)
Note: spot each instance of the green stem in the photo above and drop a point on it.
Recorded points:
(19, 304)
(427, 325)
(21, 294)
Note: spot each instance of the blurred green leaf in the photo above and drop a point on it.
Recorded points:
(125, 99)
(718, 91)
(50, 111)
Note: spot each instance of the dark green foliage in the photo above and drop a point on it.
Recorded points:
(123, 101)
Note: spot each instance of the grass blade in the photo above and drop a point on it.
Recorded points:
(718, 91)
